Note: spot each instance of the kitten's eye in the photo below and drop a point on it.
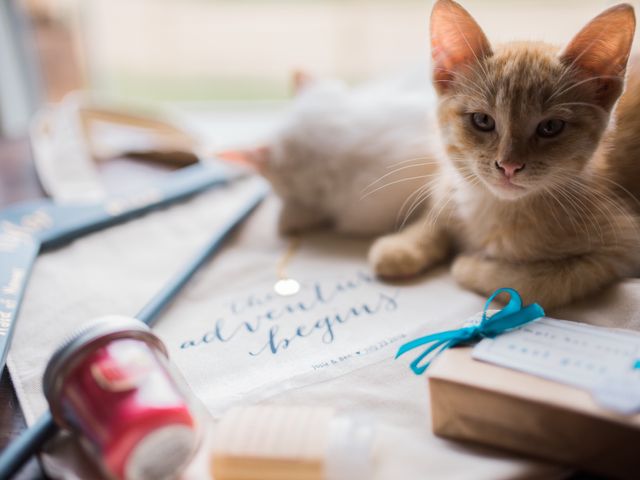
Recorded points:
(483, 122)
(550, 128)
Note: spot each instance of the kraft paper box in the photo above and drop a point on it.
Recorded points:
(491, 405)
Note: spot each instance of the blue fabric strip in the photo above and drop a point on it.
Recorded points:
(512, 316)
(54, 223)
(15, 268)
(151, 311)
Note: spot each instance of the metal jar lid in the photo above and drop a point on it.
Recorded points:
(82, 342)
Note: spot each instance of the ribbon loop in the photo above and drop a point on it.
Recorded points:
(512, 316)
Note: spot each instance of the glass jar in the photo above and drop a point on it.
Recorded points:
(292, 442)
(111, 383)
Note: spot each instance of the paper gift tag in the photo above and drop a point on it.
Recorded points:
(596, 359)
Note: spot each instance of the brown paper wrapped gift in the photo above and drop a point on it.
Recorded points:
(483, 403)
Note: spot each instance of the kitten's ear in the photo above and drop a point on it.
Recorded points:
(457, 42)
(300, 80)
(601, 49)
(256, 158)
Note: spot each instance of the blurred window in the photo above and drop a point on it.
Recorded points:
(202, 50)
(19, 87)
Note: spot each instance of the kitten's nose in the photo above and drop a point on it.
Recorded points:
(510, 169)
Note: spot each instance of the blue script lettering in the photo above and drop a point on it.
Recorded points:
(326, 325)
(320, 295)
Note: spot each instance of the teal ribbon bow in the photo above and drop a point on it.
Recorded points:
(512, 316)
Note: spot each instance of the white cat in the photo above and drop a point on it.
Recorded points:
(353, 159)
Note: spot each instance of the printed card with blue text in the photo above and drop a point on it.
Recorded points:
(251, 342)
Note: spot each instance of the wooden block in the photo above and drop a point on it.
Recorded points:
(272, 443)
(491, 405)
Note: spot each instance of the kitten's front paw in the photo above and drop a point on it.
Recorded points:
(467, 272)
(393, 257)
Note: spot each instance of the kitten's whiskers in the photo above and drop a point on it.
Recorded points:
(425, 192)
(573, 212)
(366, 194)
(582, 209)
(617, 185)
(392, 172)
(414, 159)
(611, 211)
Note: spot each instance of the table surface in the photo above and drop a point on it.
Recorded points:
(18, 181)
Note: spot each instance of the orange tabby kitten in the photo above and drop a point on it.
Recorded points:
(536, 181)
